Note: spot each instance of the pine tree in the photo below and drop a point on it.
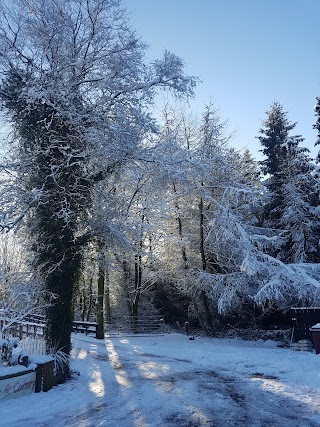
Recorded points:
(300, 207)
(249, 169)
(274, 135)
(317, 124)
(273, 138)
(291, 205)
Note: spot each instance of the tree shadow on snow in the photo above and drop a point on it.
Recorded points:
(147, 390)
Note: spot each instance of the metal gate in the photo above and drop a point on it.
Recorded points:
(128, 326)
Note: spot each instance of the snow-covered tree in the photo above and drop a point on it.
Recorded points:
(274, 137)
(300, 208)
(239, 272)
(75, 88)
(249, 169)
(317, 124)
(291, 202)
(274, 134)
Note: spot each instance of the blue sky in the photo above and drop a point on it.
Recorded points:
(248, 53)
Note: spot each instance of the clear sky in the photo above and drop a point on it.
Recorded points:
(248, 53)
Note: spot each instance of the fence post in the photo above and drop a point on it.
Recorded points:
(44, 377)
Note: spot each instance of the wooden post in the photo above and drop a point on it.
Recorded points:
(45, 377)
(100, 308)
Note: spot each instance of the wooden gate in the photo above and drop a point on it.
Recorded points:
(303, 318)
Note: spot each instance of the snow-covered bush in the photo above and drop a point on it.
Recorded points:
(20, 298)
(12, 354)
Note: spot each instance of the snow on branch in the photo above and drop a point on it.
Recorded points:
(248, 270)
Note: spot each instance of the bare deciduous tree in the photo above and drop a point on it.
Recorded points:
(75, 86)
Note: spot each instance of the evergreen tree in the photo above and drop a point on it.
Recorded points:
(317, 124)
(273, 138)
(291, 203)
(300, 208)
(249, 169)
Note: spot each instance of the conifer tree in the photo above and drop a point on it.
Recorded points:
(274, 134)
(317, 124)
(273, 137)
(300, 213)
(292, 199)
(249, 169)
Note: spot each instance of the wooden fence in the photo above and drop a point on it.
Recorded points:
(34, 326)
(84, 327)
(24, 329)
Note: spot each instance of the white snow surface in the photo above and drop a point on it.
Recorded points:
(169, 380)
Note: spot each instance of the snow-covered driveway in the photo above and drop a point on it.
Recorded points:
(171, 381)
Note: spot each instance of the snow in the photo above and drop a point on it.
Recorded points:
(10, 370)
(42, 358)
(19, 351)
(169, 380)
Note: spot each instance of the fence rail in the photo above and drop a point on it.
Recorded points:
(34, 326)
(84, 327)
(23, 329)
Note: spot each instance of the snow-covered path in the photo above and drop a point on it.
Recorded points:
(171, 381)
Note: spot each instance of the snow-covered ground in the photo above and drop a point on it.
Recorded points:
(170, 380)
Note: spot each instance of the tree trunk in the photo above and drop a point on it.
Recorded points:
(137, 291)
(202, 251)
(61, 280)
(204, 314)
(183, 248)
(126, 280)
(100, 304)
(90, 300)
(107, 304)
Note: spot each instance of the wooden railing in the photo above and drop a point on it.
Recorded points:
(23, 329)
(84, 327)
(34, 326)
